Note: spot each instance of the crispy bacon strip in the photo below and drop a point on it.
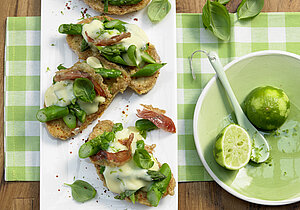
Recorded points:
(106, 42)
(118, 157)
(71, 75)
(159, 119)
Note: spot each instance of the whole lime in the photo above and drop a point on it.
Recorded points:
(267, 107)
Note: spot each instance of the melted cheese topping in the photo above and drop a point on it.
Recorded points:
(138, 37)
(95, 30)
(128, 176)
(91, 108)
(60, 94)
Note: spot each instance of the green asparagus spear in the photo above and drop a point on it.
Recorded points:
(73, 29)
(158, 188)
(123, 2)
(51, 113)
(98, 143)
(70, 120)
(108, 73)
(115, 24)
(131, 54)
(93, 146)
(78, 112)
(156, 175)
(147, 58)
(148, 70)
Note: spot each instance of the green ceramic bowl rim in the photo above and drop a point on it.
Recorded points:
(197, 139)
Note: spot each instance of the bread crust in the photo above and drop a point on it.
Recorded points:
(141, 196)
(140, 85)
(116, 10)
(58, 129)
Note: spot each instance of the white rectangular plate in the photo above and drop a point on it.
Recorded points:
(59, 159)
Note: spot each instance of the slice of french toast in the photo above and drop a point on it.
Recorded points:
(98, 5)
(140, 85)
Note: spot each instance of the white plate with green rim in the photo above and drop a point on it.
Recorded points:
(278, 181)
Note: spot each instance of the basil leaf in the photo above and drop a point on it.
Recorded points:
(140, 144)
(142, 158)
(249, 8)
(223, 1)
(206, 15)
(216, 18)
(83, 89)
(158, 9)
(82, 191)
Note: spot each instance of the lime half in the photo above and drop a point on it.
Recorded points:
(233, 147)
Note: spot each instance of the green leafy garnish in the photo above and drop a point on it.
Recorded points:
(142, 158)
(82, 191)
(60, 67)
(216, 18)
(158, 9)
(83, 89)
(249, 8)
(144, 125)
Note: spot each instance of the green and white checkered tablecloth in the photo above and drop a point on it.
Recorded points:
(21, 95)
(276, 31)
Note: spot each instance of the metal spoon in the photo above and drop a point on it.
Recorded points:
(260, 148)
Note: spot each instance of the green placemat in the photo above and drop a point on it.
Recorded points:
(276, 31)
(267, 31)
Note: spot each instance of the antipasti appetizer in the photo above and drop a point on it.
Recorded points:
(77, 97)
(117, 7)
(125, 45)
(126, 165)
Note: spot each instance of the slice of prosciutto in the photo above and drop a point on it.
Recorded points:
(114, 159)
(71, 75)
(111, 41)
(157, 117)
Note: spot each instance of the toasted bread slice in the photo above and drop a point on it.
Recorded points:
(98, 5)
(141, 196)
(140, 85)
(58, 129)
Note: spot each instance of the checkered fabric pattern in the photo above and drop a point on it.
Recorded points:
(22, 96)
(267, 31)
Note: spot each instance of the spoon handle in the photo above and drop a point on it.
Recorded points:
(215, 62)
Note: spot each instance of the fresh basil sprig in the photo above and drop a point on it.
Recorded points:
(158, 9)
(83, 89)
(216, 18)
(249, 8)
(82, 191)
(142, 158)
